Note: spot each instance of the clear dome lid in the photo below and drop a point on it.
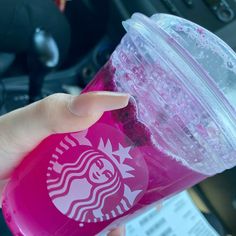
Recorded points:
(216, 58)
(184, 81)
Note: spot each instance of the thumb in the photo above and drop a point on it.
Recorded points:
(23, 129)
(117, 232)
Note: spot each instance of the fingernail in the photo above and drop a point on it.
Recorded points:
(159, 206)
(117, 232)
(97, 102)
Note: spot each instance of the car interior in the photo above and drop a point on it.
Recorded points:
(96, 30)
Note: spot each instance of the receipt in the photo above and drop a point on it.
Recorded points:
(178, 217)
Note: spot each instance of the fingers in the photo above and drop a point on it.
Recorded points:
(121, 230)
(117, 232)
(159, 206)
(88, 103)
(66, 113)
(2, 184)
(62, 5)
(23, 129)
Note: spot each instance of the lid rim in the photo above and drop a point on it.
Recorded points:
(221, 103)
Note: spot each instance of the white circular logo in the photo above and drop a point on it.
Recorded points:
(92, 178)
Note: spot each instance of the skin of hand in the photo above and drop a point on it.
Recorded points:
(23, 129)
(61, 4)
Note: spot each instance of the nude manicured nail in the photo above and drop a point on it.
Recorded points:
(97, 102)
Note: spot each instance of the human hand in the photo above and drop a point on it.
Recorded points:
(121, 230)
(24, 128)
(117, 232)
(61, 4)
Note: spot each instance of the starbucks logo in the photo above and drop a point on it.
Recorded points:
(94, 181)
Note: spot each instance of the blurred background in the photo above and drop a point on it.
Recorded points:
(90, 30)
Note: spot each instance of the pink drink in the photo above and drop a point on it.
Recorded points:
(166, 140)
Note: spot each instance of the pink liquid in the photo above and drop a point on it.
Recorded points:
(33, 203)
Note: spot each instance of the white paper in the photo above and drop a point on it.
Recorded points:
(178, 217)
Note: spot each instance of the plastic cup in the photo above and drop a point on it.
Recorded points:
(178, 129)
